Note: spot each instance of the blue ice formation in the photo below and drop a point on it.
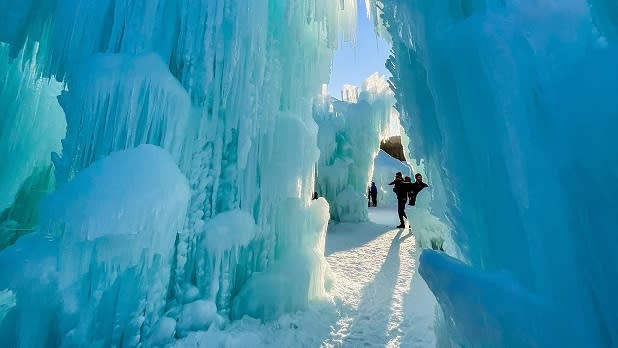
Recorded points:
(349, 134)
(513, 107)
(131, 254)
(25, 142)
(7, 302)
(102, 250)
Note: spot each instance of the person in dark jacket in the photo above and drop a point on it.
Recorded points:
(401, 189)
(373, 191)
(415, 188)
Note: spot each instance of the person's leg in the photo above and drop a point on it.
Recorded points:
(401, 205)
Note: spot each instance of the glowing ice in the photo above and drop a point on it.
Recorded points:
(512, 105)
(349, 137)
(220, 86)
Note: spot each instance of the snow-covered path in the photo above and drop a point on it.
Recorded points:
(373, 266)
(372, 279)
(378, 300)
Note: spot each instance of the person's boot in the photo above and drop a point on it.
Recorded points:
(401, 225)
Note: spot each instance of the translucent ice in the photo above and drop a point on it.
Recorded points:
(7, 302)
(349, 137)
(25, 142)
(384, 169)
(118, 101)
(102, 251)
(223, 87)
(512, 105)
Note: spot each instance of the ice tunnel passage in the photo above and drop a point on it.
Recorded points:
(510, 105)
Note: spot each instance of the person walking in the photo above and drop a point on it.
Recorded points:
(401, 189)
(373, 191)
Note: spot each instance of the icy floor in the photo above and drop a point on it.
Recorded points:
(377, 298)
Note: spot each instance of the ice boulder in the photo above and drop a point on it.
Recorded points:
(198, 315)
(493, 309)
(119, 101)
(104, 250)
(348, 138)
(162, 333)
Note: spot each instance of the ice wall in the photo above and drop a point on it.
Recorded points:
(513, 106)
(226, 88)
(349, 139)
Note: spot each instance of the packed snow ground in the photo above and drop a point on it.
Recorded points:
(377, 298)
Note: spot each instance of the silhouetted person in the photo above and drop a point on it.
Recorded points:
(416, 187)
(401, 189)
(374, 194)
(314, 196)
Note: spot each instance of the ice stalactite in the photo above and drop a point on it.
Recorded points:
(349, 139)
(116, 102)
(496, 99)
(226, 88)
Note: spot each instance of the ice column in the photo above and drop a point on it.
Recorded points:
(226, 88)
(349, 138)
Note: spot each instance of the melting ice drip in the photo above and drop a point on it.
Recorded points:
(192, 228)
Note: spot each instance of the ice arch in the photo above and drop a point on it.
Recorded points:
(513, 107)
(223, 90)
